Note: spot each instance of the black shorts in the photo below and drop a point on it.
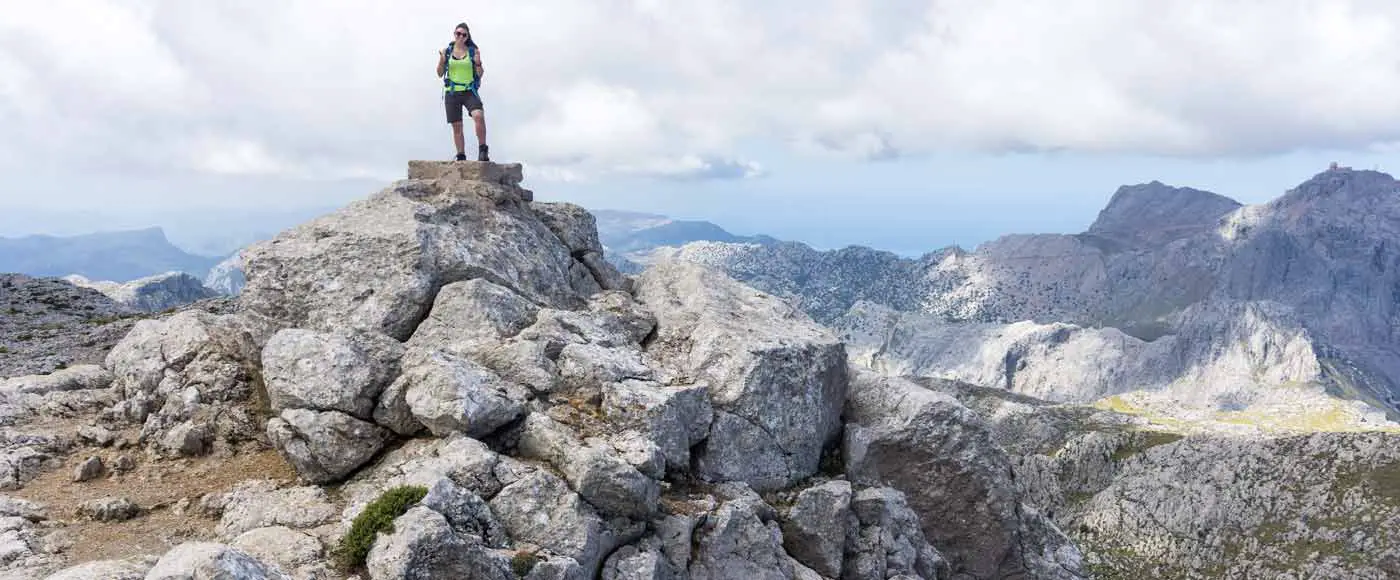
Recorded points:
(456, 100)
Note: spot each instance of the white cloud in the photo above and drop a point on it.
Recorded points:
(675, 88)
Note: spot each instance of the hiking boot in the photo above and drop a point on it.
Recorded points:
(461, 156)
(481, 154)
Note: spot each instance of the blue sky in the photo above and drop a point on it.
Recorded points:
(910, 206)
(899, 124)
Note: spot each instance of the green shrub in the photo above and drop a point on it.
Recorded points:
(522, 562)
(377, 517)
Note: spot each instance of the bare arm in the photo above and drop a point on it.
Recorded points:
(442, 62)
(479, 69)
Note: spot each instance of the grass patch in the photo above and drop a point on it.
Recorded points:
(1118, 404)
(1385, 482)
(377, 517)
(522, 562)
(1142, 441)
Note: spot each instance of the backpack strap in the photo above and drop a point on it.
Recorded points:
(471, 58)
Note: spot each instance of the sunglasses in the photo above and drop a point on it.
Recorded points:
(459, 33)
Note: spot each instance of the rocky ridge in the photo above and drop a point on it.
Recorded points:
(151, 293)
(1224, 302)
(47, 324)
(564, 420)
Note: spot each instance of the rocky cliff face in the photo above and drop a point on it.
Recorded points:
(559, 419)
(152, 293)
(226, 277)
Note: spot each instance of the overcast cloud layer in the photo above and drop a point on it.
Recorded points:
(578, 90)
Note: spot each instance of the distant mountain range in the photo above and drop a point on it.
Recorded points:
(1175, 303)
(629, 237)
(117, 256)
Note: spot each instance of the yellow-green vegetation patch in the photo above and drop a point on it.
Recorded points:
(522, 562)
(1385, 483)
(1142, 441)
(1331, 416)
(377, 517)
(1118, 404)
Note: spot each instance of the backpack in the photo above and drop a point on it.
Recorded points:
(471, 57)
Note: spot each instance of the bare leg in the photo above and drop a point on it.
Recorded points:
(480, 118)
(457, 138)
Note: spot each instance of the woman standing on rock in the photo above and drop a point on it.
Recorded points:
(459, 65)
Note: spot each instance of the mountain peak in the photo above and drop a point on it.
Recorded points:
(1156, 212)
(1340, 182)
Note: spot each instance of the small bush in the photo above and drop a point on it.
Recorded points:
(4, 350)
(522, 562)
(377, 517)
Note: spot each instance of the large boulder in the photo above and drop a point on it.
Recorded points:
(777, 381)
(188, 379)
(318, 371)
(424, 545)
(447, 223)
(208, 561)
(325, 446)
(943, 456)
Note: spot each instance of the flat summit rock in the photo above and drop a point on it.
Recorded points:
(506, 174)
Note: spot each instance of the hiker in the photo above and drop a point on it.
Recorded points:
(459, 65)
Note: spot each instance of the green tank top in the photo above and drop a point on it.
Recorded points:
(460, 72)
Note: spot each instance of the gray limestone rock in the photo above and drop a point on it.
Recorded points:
(132, 568)
(815, 528)
(325, 446)
(258, 504)
(776, 380)
(11, 507)
(886, 540)
(47, 324)
(468, 514)
(641, 561)
(319, 371)
(88, 470)
(297, 553)
(109, 509)
(75, 378)
(737, 542)
(209, 561)
(424, 546)
(448, 393)
(474, 311)
(540, 509)
(602, 476)
(674, 418)
(943, 456)
(187, 379)
(410, 236)
(465, 462)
